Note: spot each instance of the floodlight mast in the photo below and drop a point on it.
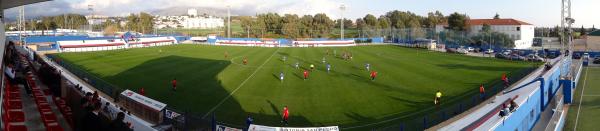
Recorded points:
(566, 22)
(342, 8)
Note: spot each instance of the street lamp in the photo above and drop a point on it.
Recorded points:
(228, 22)
(342, 8)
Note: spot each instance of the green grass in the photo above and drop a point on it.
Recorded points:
(586, 106)
(407, 81)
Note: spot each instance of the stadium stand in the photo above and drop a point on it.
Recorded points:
(542, 94)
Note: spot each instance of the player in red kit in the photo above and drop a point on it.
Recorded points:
(142, 92)
(373, 75)
(482, 92)
(305, 74)
(505, 80)
(174, 83)
(286, 115)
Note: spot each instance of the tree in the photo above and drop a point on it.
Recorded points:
(384, 22)
(305, 26)
(111, 30)
(272, 21)
(486, 28)
(582, 31)
(360, 24)
(497, 16)
(503, 40)
(434, 19)
(370, 21)
(146, 23)
(290, 26)
(48, 23)
(415, 29)
(132, 22)
(457, 22)
(322, 24)
(347, 23)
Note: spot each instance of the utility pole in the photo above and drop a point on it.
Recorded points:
(342, 8)
(228, 21)
(91, 19)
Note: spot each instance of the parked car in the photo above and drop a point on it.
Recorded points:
(516, 57)
(534, 57)
(451, 50)
(501, 56)
(597, 60)
(507, 52)
(585, 56)
(462, 51)
(576, 56)
(470, 49)
(489, 51)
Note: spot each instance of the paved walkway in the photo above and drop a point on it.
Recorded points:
(33, 120)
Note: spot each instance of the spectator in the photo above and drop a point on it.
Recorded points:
(86, 101)
(505, 108)
(249, 121)
(96, 97)
(107, 110)
(513, 105)
(92, 120)
(118, 125)
(502, 112)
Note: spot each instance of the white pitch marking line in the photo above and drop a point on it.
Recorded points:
(580, 99)
(244, 82)
(591, 95)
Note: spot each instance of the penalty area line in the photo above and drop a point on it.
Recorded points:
(242, 84)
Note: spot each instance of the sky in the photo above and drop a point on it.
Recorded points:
(538, 12)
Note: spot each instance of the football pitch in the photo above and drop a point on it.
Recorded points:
(209, 82)
(583, 114)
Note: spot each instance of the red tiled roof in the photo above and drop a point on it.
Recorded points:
(494, 22)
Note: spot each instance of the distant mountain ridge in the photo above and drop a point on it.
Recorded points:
(183, 11)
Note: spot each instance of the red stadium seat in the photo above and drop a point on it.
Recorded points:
(43, 108)
(10, 127)
(13, 104)
(54, 128)
(14, 116)
(48, 117)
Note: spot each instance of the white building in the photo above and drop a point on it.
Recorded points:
(521, 32)
(192, 12)
(96, 19)
(190, 21)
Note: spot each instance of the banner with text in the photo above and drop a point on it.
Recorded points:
(225, 128)
(268, 128)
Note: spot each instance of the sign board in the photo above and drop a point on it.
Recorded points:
(268, 128)
(171, 114)
(225, 128)
(144, 100)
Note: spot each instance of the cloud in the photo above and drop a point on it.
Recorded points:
(43, 9)
(241, 7)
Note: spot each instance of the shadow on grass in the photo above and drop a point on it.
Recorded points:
(199, 90)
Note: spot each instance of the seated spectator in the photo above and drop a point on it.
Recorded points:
(86, 102)
(513, 105)
(107, 111)
(118, 125)
(506, 109)
(92, 120)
